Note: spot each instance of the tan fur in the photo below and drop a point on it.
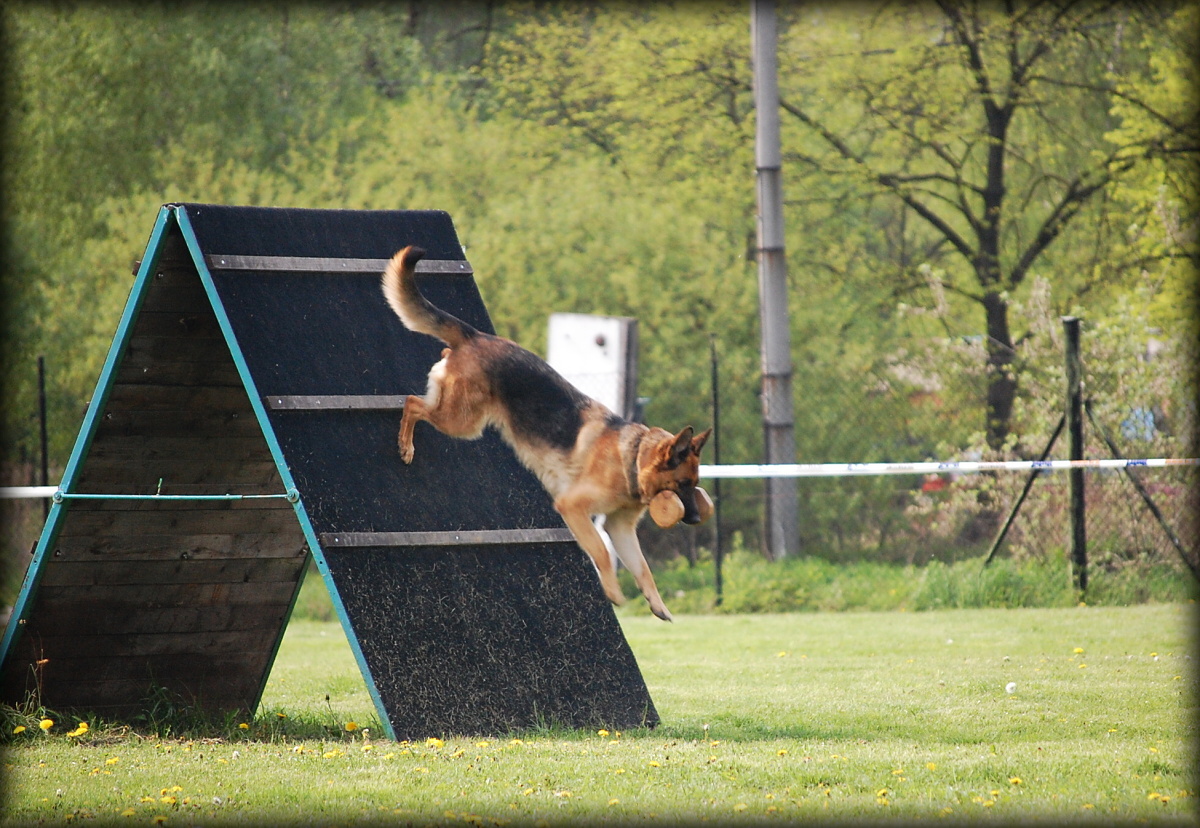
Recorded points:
(589, 479)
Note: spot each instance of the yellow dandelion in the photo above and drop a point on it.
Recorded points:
(1078, 650)
(653, 764)
(1014, 780)
(781, 752)
(601, 732)
(781, 654)
(930, 766)
(112, 760)
(434, 742)
(989, 803)
(244, 726)
(351, 727)
(168, 800)
(482, 744)
(147, 799)
(46, 724)
(128, 812)
(79, 730)
(1081, 666)
(614, 801)
(159, 820)
(281, 715)
(882, 792)
(741, 806)
(18, 729)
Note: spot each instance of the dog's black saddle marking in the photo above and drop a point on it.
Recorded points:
(542, 405)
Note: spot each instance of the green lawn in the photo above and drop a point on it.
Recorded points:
(851, 716)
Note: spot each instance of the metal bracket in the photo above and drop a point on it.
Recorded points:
(465, 537)
(335, 402)
(305, 264)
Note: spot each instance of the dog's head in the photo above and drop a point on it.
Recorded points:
(673, 465)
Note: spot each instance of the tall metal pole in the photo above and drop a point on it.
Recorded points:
(1074, 415)
(782, 518)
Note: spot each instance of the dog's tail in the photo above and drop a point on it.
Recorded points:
(414, 310)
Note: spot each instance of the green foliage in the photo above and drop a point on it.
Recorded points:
(599, 159)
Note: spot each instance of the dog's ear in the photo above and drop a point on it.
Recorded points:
(681, 447)
(700, 439)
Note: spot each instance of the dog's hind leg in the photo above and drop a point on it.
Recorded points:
(622, 530)
(576, 513)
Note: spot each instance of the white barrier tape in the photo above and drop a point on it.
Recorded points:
(953, 467)
(23, 492)
(819, 470)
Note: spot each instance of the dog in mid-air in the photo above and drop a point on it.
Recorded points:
(591, 461)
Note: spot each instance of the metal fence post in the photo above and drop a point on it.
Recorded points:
(42, 431)
(1074, 414)
(718, 552)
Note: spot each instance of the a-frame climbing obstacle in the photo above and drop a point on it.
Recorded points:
(245, 419)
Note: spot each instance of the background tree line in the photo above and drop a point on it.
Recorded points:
(957, 176)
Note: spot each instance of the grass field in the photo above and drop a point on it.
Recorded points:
(891, 716)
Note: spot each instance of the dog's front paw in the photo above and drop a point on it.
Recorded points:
(406, 453)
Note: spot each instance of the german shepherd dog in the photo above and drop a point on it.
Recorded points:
(591, 461)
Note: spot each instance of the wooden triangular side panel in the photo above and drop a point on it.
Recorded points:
(133, 597)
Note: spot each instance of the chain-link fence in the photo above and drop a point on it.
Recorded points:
(1140, 403)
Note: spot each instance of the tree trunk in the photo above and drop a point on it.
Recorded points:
(1002, 383)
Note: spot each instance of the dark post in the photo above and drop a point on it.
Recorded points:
(1074, 416)
(41, 363)
(716, 456)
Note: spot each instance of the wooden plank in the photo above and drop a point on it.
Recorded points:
(112, 475)
(221, 399)
(182, 460)
(197, 424)
(79, 523)
(123, 645)
(97, 616)
(176, 290)
(139, 450)
(116, 698)
(134, 598)
(192, 326)
(144, 349)
(144, 369)
(179, 571)
(143, 547)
